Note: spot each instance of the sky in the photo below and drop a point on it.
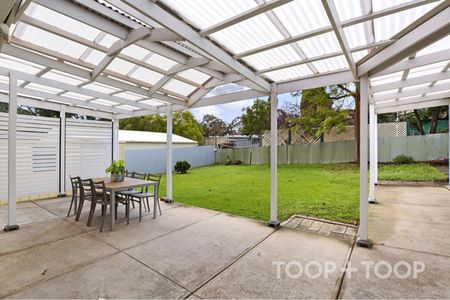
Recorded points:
(229, 111)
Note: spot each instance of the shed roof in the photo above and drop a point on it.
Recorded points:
(132, 136)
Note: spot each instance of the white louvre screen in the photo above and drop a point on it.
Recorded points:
(88, 148)
(37, 156)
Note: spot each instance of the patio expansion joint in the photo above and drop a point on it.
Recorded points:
(235, 260)
(381, 245)
(340, 280)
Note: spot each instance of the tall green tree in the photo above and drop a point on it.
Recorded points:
(214, 126)
(256, 118)
(184, 124)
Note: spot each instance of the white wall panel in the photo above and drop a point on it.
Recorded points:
(88, 148)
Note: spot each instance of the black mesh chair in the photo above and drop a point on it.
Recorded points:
(75, 202)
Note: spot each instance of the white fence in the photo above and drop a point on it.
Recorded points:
(154, 160)
(88, 153)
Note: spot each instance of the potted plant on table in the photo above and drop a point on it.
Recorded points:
(117, 170)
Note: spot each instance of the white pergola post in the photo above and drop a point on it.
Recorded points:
(62, 152)
(273, 156)
(448, 145)
(115, 139)
(372, 145)
(363, 240)
(169, 163)
(12, 147)
(376, 148)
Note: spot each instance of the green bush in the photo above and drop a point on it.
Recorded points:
(403, 159)
(182, 167)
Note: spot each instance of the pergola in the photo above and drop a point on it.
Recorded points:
(116, 59)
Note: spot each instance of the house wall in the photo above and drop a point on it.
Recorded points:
(123, 147)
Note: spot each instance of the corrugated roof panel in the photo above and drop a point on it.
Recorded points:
(43, 88)
(388, 26)
(274, 57)
(128, 107)
(61, 21)
(104, 102)
(77, 96)
(427, 70)
(360, 54)
(130, 96)
(146, 75)
(179, 87)
(442, 44)
(50, 41)
(19, 64)
(194, 75)
(120, 66)
(442, 82)
(95, 57)
(136, 52)
(349, 9)
(397, 76)
(356, 35)
(108, 40)
(161, 62)
(64, 77)
(153, 102)
(205, 13)
(289, 73)
(301, 16)
(102, 88)
(250, 34)
(331, 64)
(320, 44)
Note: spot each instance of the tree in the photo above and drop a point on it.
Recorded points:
(256, 118)
(235, 126)
(184, 124)
(214, 126)
(432, 115)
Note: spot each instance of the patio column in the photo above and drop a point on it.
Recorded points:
(372, 130)
(169, 163)
(363, 240)
(115, 139)
(12, 147)
(62, 152)
(376, 148)
(273, 157)
(448, 145)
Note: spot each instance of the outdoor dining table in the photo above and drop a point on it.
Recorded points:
(128, 183)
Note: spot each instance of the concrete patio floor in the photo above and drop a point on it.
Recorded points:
(197, 253)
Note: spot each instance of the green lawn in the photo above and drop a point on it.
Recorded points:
(324, 191)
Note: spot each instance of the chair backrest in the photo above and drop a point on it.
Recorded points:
(142, 176)
(74, 181)
(85, 187)
(100, 190)
(128, 174)
(154, 177)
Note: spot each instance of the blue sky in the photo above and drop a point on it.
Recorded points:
(229, 111)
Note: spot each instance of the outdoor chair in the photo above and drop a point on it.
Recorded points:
(145, 195)
(156, 178)
(84, 186)
(134, 196)
(99, 196)
(74, 181)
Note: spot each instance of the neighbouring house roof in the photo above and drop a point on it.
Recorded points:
(132, 136)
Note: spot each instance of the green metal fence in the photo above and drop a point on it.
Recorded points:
(421, 148)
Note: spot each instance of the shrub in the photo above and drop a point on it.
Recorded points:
(182, 167)
(403, 159)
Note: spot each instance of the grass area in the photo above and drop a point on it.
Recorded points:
(413, 172)
(324, 191)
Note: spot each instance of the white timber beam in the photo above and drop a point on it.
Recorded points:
(27, 101)
(419, 105)
(227, 98)
(244, 16)
(170, 22)
(333, 16)
(363, 240)
(310, 82)
(132, 37)
(410, 93)
(5, 9)
(413, 100)
(274, 222)
(346, 23)
(418, 37)
(12, 153)
(409, 82)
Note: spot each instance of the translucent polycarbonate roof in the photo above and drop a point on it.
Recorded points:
(118, 57)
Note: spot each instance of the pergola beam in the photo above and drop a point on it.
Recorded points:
(170, 22)
(333, 16)
(132, 37)
(231, 97)
(244, 16)
(350, 22)
(410, 82)
(413, 100)
(410, 93)
(433, 29)
(411, 106)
